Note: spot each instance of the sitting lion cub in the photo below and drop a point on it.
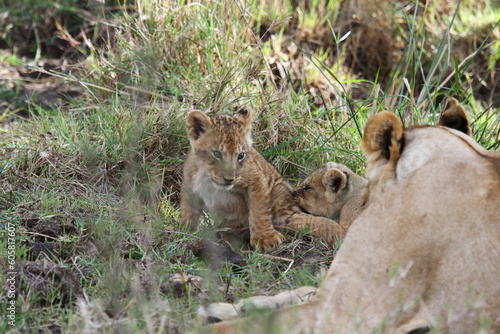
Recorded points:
(333, 191)
(226, 176)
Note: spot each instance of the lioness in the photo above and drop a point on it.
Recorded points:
(333, 191)
(226, 176)
(424, 255)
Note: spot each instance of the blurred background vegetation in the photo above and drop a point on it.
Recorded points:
(93, 99)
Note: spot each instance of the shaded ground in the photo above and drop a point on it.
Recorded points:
(43, 49)
(21, 86)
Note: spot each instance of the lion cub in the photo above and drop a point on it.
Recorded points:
(226, 176)
(336, 192)
(333, 191)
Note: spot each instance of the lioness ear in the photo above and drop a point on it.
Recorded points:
(335, 179)
(197, 124)
(454, 117)
(383, 138)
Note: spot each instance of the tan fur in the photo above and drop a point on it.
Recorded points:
(226, 311)
(333, 191)
(424, 255)
(454, 117)
(226, 176)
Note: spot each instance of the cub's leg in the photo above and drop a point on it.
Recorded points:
(262, 233)
(191, 208)
(318, 226)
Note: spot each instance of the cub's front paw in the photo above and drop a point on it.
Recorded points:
(268, 240)
(327, 229)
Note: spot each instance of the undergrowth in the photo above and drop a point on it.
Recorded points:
(92, 184)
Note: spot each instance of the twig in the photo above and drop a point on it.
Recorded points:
(73, 260)
(289, 266)
(39, 234)
(279, 258)
(273, 257)
(145, 91)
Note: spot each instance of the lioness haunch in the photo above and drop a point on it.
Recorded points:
(425, 252)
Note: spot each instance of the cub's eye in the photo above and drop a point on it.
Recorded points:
(241, 156)
(217, 155)
(307, 188)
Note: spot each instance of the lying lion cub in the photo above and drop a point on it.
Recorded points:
(423, 255)
(336, 192)
(333, 191)
(226, 176)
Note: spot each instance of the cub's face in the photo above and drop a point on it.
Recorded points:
(221, 144)
(325, 191)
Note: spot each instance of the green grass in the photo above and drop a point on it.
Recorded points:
(98, 179)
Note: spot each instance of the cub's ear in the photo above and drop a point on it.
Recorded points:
(383, 138)
(454, 117)
(197, 124)
(335, 180)
(245, 116)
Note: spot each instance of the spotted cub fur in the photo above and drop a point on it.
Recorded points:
(225, 176)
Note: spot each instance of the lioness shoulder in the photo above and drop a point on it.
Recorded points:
(225, 176)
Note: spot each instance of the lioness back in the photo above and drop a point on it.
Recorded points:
(226, 176)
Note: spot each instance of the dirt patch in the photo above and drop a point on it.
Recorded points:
(51, 283)
(307, 251)
(232, 248)
(22, 86)
(218, 253)
(42, 45)
(38, 250)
